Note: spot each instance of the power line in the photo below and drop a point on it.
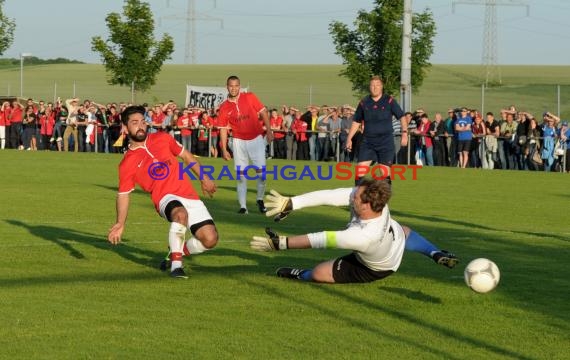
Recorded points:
(489, 57)
(190, 19)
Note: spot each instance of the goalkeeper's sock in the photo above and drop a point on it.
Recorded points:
(176, 237)
(175, 260)
(417, 243)
(194, 246)
(260, 188)
(242, 192)
(306, 275)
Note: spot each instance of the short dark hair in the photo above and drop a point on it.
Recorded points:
(377, 193)
(232, 77)
(130, 110)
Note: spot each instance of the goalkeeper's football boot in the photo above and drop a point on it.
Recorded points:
(445, 258)
(178, 273)
(291, 273)
(261, 206)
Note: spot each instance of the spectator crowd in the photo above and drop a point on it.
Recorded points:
(462, 137)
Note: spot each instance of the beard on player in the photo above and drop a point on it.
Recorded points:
(138, 136)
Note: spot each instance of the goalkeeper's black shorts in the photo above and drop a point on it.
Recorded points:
(347, 269)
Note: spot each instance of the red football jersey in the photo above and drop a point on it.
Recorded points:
(184, 122)
(16, 115)
(154, 167)
(276, 123)
(242, 116)
(300, 128)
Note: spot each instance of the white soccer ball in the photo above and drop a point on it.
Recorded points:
(482, 275)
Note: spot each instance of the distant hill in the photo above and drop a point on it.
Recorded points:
(33, 60)
(530, 88)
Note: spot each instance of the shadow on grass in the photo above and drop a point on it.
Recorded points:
(471, 225)
(263, 263)
(412, 294)
(367, 306)
(433, 327)
(531, 273)
(76, 278)
(67, 238)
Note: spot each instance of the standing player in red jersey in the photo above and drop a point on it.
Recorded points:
(151, 162)
(241, 112)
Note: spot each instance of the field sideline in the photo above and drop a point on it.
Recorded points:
(531, 88)
(67, 294)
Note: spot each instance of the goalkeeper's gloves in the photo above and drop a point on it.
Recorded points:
(278, 205)
(272, 242)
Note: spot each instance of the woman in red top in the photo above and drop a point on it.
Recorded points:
(300, 130)
(47, 123)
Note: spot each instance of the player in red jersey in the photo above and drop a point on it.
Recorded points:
(241, 112)
(151, 162)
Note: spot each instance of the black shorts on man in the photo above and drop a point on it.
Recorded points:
(380, 150)
(347, 269)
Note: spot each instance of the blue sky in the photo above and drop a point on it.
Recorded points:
(289, 32)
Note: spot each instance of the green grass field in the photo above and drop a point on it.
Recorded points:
(67, 294)
(531, 88)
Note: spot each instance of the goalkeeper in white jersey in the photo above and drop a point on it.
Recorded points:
(376, 240)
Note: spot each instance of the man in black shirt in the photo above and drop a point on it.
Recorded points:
(374, 113)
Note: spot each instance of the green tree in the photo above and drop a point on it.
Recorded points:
(7, 27)
(131, 54)
(374, 46)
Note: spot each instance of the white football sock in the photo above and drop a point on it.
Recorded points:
(176, 237)
(260, 188)
(194, 246)
(242, 192)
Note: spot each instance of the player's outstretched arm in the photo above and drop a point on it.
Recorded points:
(281, 206)
(116, 231)
(350, 239)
